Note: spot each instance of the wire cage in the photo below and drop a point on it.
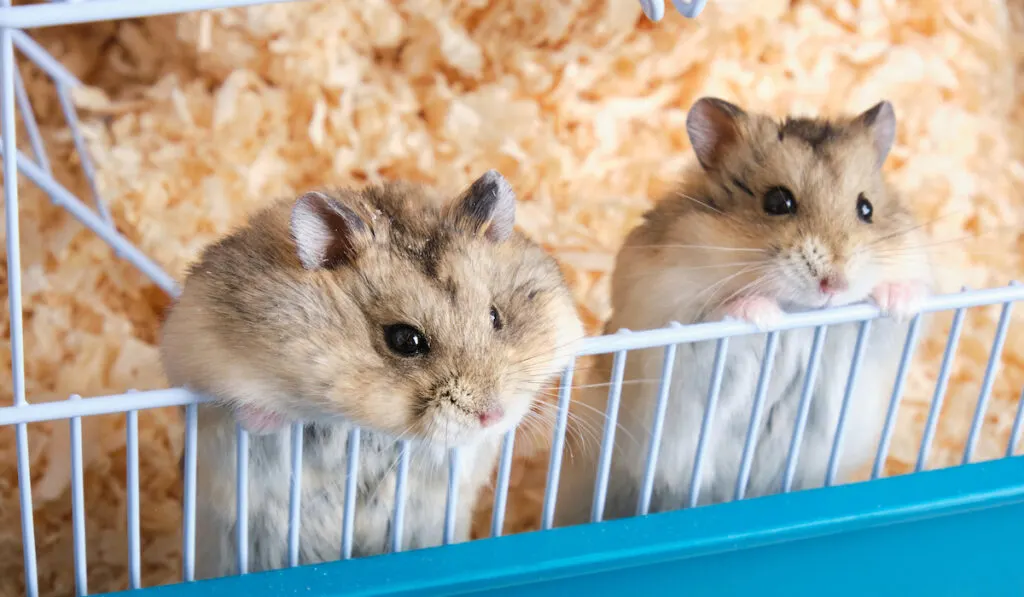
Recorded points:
(893, 535)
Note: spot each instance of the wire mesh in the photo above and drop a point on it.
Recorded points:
(14, 101)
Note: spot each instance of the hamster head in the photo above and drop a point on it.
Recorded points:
(401, 310)
(800, 204)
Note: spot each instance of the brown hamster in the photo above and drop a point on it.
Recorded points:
(396, 308)
(773, 217)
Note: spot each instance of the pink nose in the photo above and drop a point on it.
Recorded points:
(832, 284)
(491, 416)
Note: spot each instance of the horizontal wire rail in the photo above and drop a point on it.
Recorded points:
(36, 168)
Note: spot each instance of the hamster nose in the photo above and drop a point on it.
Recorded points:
(491, 416)
(832, 284)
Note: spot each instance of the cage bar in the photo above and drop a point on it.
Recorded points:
(986, 385)
(909, 346)
(58, 73)
(351, 483)
(806, 394)
(398, 526)
(188, 560)
(788, 321)
(101, 405)
(453, 496)
(28, 118)
(940, 390)
(242, 498)
(78, 506)
(61, 13)
(771, 344)
(604, 462)
(555, 463)
(844, 410)
(1018, 426)
(120, 245)
(643, 506)
(706, 424)
(295, 495)
(85, 161)
(134, 540)
(501, 491)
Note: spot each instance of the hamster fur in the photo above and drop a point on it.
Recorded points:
(775, 216)
(394, 308)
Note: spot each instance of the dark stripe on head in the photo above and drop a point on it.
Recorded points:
(743, 187)
(816, 133)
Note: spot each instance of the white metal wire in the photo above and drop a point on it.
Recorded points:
(14, 100)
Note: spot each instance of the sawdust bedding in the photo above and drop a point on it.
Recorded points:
(196, 120)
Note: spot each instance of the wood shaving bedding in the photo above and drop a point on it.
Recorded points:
(197, 120)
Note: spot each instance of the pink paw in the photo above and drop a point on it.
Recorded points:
(258, 421)
(758, 310)
(900, 300)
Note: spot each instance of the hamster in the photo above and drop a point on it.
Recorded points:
(774, 217)
(411, 314)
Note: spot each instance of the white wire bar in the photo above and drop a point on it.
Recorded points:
(351, 484)
(398, 524)
(188, 560)
(909, 346)
(48, 15)
(242, 498)
(100, 405)
(940, 390)
(547, 518)
(844, 410)
(132, 481)
(806, 394)
(48, 64)
(1018, 426)
(771, 344)
(788, 321)
(714, 390)
(453, 496)
(9, 143)
(655, 9)
(295, 495)
(995, 355)
(604, 461)
(647, 488)
(501, 491)
(28, 118)
(78, 506)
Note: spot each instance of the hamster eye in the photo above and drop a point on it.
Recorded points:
(779, 201)
(864, 209)
(405, 340)
(496, 319)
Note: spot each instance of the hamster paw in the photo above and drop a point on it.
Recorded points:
(758, 310)
(900, 300)
(258, 421)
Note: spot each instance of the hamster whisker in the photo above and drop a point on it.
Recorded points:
(546, 354)
(683, 195)
(907, 249)
(913, 228)
(704, 247)
(604, 417)
(641, 274)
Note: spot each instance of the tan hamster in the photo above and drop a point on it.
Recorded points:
(411, 314)
(773, 217)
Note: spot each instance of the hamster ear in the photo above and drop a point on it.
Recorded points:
(487, 208)
(326, 233)
(712, 125)
(880, 122)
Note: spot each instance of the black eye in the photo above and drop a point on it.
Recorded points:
(864, 209)
(496, 319)
(405, 340)
(779, 201)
